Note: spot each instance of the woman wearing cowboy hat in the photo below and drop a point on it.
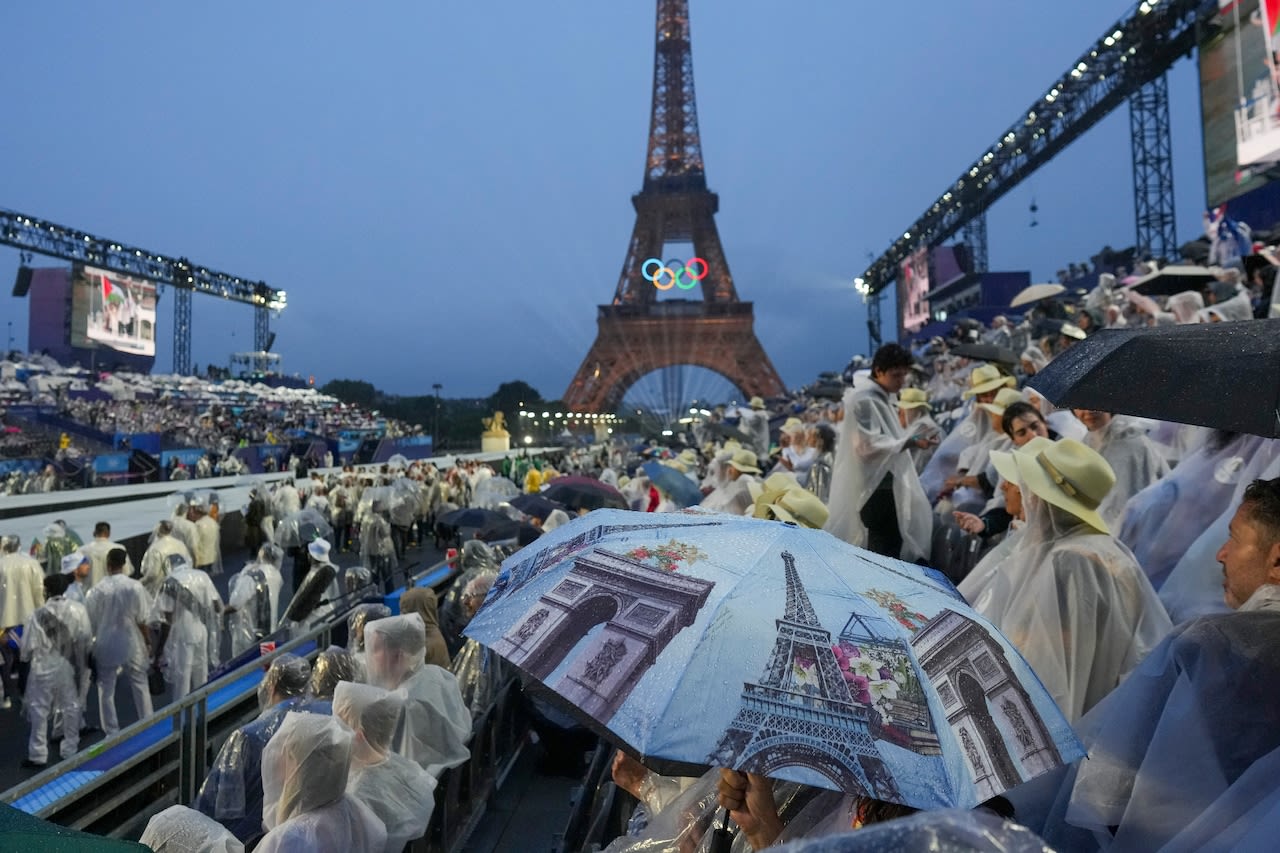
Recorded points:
(1068, 595)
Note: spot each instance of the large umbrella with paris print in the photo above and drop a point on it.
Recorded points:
(694, 639)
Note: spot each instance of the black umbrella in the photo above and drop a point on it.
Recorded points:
(1173, 279)
(1220, 375)
(987, 352)
(507, 528)
(535, 506)
(584, 493)
(472, 517)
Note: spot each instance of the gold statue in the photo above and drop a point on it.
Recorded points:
(495, 427)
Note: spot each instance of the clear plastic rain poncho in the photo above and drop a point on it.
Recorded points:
(404, 498)
(396, 789)
(301, 528)
(55, 542)
(117, 605)
(1073, 601)
(974, 831)
(179, 829)
(253, 599)
(435, 725)
(21, 583)
(494, 491)
(361, 616)
(304, 780)
(974, 428)
(159, 557)
(1175, 743)
(57, 639)
(1134, 458)
(1194, 587)
(685, 823)
(333, 666)
(232, 792)
(1162, 521)
(872, 445)
(193, 607)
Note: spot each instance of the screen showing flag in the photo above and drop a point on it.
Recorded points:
(113, 310)
(913, 292)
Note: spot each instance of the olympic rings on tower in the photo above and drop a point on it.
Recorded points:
(674, 271)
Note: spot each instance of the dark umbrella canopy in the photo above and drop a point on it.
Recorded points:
(535, 505)
(987, 352)
(472, 517)
(1173, 279)
(584, 493)
(1219, 375)
(682, 490)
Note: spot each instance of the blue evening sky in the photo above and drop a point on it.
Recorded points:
(444, 188)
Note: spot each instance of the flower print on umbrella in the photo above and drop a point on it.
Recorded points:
(912, 621)
(883, 690)
(668, 556)
(859, 688)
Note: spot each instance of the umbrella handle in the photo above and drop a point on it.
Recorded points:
(721, 837)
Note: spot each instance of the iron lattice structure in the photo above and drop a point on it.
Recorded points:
(1154, 214)
(637, 333)
(58, 241)
(1132, 53)
(778, 725)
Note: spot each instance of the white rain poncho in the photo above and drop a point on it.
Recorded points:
(286, 501)
(208, 548)
(481, 674)
(191, 605)
(972, 831)
(435, 725)
(185, 530)
(1134, 458)
(21, 588)
(305, 805)
(116, 607)
(56, 641)
(1073, 601)
(872, 445)
(755, 423)
(159, 557)
(734, 497)
(394, 788)
(1182, 732)
(1162, 521)
(922, 423)
(361, 616)
(975, 427)
(232, 792)
(1194, 587)
(253, 599)
(96, 550)
(179, 829)
(1245, 817)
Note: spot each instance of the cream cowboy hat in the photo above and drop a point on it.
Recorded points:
(984, 378)
(744, 461)
(756, 403)
(687, 457)
(1005, 398)
(912, 398)
(792, 426)
(1004, 463)
(800, 507)
(1068, 475)
(774, 485)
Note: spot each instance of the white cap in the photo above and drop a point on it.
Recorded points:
(319, 550)
(72, 561)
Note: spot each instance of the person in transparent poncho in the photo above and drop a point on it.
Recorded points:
(435, 725)
(1135, 459)
(877, 501)
(362, 615)
(232, 792)
(188, 612)
(1067, 594)
(480, 673)
(1189, 745)
(159, 556)
(395, 788)
(118, 608)
(21, 592)
(253, 599)
(179, 829)
(306, 807)
(984, 381)
(975, 831)
(56, 642)
(333, 666)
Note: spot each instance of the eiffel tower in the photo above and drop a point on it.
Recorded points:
(638, 334)
(794, 717)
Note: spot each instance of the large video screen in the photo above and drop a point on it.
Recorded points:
(913, 292)
(1240, 98)
(112, 310)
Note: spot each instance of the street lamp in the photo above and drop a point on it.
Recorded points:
(435, 419)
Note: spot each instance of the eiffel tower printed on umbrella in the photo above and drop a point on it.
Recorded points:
(801, 712)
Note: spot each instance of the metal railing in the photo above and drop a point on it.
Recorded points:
(163, 760)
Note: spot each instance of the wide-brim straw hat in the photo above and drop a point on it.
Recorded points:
(792, 426)
(744, 461)
(756, 403)
(912, 398)
(800, 507)
(1005, 398)
(1004, 463)
(984, 378)
(1068, 475)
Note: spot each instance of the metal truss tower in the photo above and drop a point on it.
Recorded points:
(29, 234)
(1154, 212)
(975, 237)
